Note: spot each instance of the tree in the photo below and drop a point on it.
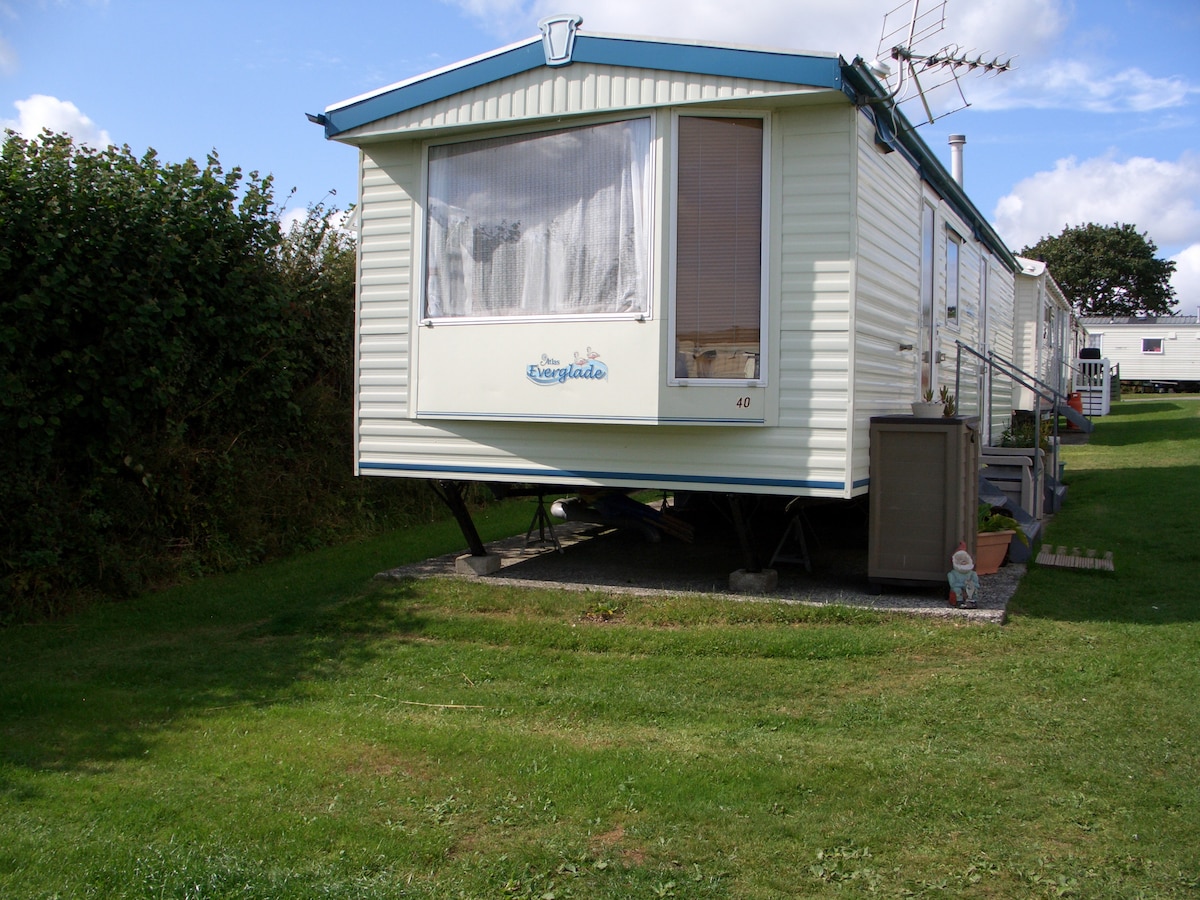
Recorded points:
(1108, 270)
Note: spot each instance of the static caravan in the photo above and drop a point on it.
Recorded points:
(1046, 332)
(1163, 351)
(606, 261)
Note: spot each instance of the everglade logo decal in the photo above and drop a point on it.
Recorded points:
(550, 371)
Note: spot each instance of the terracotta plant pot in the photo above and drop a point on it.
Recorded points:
(990, 549)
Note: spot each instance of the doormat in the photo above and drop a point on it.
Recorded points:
(1088, 559)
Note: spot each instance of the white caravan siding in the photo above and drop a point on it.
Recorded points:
(812, 167)
(815, 278)
(1027, 354)
(1001, 316)
(385, 290)
(887, 255)
(964, 381)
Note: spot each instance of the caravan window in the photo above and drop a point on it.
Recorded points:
(953, 276)
(1152, 345)
(719, 296)
(548, 224)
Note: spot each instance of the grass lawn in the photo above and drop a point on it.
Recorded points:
(303, 730)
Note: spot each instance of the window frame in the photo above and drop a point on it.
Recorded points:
(421, 224)
(955, 240)
(673, 378)
(1153, 340)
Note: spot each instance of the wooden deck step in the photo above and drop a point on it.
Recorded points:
(1061, 559)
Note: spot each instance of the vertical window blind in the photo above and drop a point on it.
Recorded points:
(718, 248)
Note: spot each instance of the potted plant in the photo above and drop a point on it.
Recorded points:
(927, 407)
(946, 399)
(994, 533)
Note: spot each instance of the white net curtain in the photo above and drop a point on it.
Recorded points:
(547, 224)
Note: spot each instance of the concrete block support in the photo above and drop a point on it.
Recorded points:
(744, 582)
(477, 565)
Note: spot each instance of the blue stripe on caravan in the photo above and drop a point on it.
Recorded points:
(614, 420)
(549, 475)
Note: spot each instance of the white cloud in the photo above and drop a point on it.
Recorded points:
(1077, 85)
(1159, 197)
(292, 217)
(1032, 31)
(340, 220)
(1186, 280)
(1029, 29)
(851, 28)
(41, 111)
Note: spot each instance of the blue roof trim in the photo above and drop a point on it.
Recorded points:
(464, 77)
(556, 475)
(729, 62)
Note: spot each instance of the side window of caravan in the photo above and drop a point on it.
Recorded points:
(550, 224)
(953, 277)
(1152, 345)
(718, 289)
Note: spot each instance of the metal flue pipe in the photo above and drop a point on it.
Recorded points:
(957, 141)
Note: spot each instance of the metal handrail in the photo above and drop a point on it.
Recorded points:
(1007, 367)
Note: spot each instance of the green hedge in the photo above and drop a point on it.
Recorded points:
(174, 375)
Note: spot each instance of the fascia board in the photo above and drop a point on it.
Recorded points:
(731, 62)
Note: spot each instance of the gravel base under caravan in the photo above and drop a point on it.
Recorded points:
(594, 558)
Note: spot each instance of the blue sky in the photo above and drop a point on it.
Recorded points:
(1100, 121)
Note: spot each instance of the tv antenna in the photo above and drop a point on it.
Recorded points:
(910, 72)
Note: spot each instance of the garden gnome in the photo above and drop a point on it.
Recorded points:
(964, 583)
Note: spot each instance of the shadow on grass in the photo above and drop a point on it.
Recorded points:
(1126, 425)
(1085, 596)
(99, 688)
(1134, 491)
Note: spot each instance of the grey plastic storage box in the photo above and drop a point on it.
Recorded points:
(923, 498)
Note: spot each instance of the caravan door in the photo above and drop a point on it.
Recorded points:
(928, 340)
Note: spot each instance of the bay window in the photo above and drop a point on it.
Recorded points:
(549, 224)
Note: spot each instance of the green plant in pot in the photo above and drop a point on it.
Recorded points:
(949, 407)
(995, 530)
(927, 407)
